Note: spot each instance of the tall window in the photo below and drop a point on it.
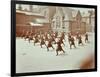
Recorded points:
(57, 22)
(63, 24)
(53, 24)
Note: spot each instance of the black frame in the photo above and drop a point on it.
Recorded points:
(13, 38)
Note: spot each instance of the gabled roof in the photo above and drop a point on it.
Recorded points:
(65, 11)
(60, 10)
(83, 14)
(78, 14)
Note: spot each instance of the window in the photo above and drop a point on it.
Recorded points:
(57, 22)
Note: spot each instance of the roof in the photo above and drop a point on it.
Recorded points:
(65, 11)
(83, 14)
(60, 10)
(28, 13)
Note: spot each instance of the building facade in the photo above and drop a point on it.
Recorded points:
(61, 19)
(77, 25)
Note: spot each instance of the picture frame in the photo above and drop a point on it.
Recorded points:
(22, 66)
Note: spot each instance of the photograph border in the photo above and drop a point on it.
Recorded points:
(13, 37)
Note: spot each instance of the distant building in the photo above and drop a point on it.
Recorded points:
(48, 12)
(68, 20)
(61, 18)
(93, 21)
(89, 18)
(77, 24)
(28, 21)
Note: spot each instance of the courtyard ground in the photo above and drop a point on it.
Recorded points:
(30, 58)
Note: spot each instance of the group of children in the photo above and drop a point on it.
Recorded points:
(50, 38)
(71, 39)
